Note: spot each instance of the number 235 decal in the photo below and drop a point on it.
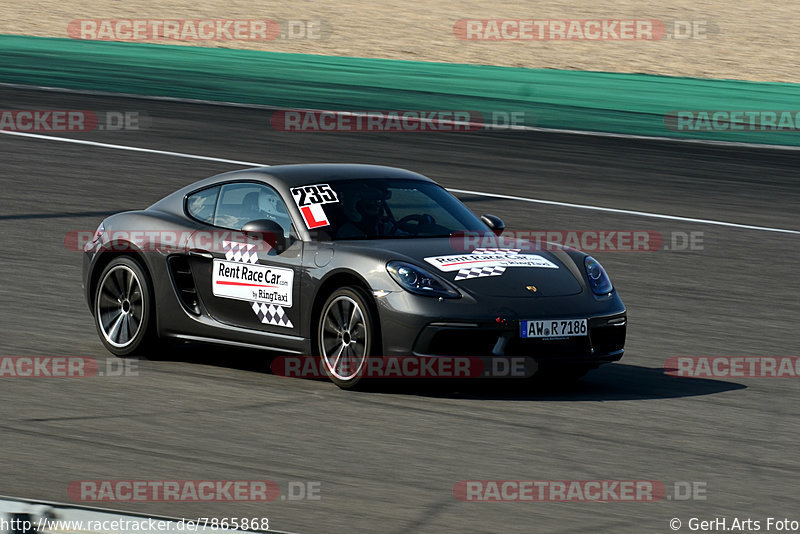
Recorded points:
(310, 199)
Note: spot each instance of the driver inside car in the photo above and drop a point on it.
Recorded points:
(364, 215)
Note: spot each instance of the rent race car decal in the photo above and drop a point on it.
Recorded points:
(488, 262)
(310, 199)
(253, 283)
(268, 289)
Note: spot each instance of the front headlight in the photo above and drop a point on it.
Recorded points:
(419, 281)
(598, 279)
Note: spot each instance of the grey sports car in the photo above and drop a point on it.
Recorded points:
(343, 263)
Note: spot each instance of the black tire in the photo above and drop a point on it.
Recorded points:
(346, 327)
(124, 311)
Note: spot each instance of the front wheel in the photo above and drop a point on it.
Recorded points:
(345, 336)
(123, 308)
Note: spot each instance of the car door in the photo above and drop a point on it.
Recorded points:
(241, 280)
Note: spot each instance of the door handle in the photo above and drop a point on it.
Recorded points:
(197, 253)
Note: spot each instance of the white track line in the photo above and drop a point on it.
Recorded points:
(628, 212)
(730, 144)
(130, 148)
(462, 191)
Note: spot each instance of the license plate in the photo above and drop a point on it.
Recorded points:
(553, 328)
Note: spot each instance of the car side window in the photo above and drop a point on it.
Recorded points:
(240, 203)
(201, 205)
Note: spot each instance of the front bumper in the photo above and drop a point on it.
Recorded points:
(428, 327)
(604, 343)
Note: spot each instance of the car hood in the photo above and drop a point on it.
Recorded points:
(491, 272)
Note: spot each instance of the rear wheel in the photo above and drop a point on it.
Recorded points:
(345, 337)
(123, 308)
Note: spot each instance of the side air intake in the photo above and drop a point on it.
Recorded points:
(183, 281)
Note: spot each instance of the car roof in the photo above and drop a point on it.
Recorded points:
(294, 175)
(310, 173)
(288, 176)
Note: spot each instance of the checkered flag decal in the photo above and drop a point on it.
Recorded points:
(496, 250)
(479, 272)
(242, 252)
(271, 314)
(267, 313)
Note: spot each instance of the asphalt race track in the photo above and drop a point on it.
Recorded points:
(388, 461)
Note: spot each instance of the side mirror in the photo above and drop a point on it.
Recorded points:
(268, 231)
(495, 223)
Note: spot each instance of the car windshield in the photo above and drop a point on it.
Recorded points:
(387, 209)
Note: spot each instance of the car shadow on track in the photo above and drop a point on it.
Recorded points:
(613, 382)
(213, 355)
